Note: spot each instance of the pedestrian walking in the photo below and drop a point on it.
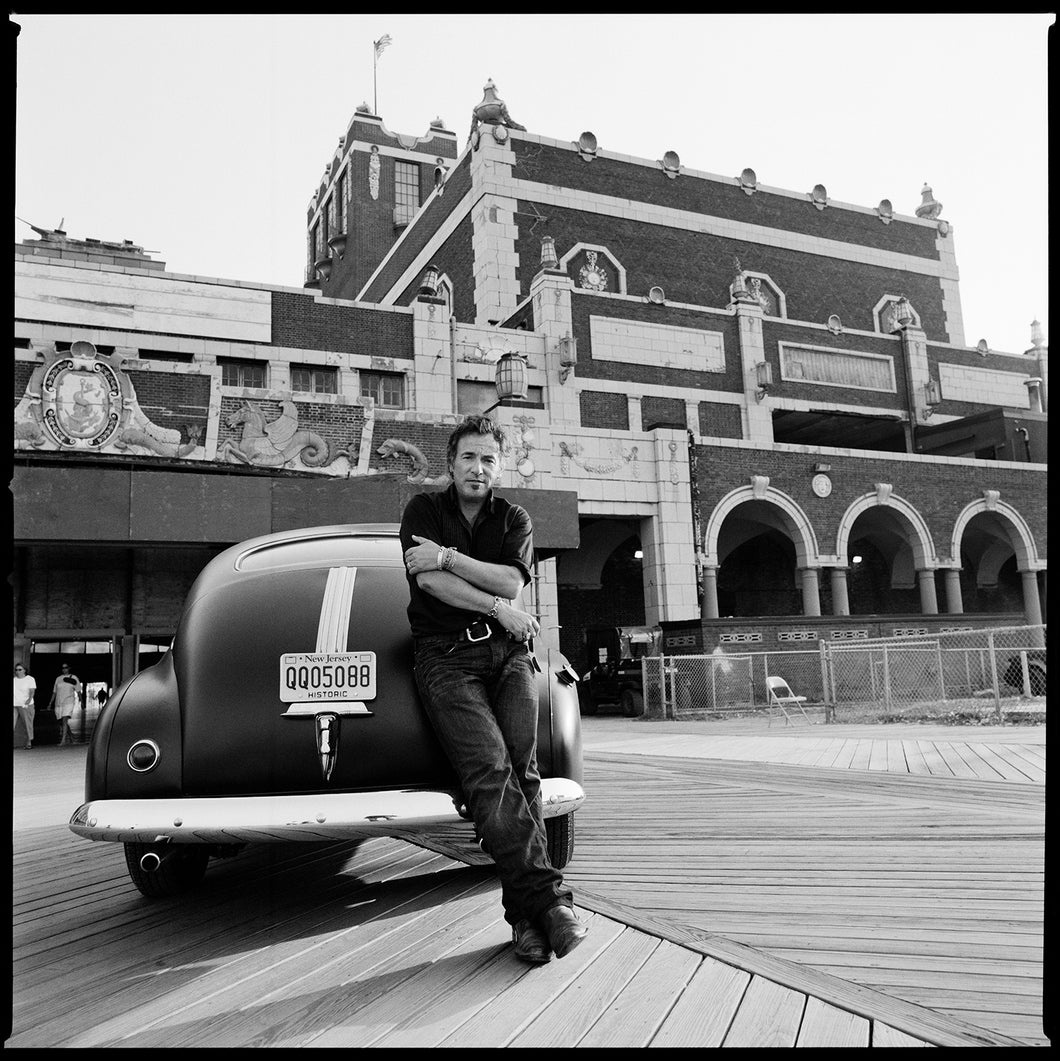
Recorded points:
(25, 701)
(65, 699)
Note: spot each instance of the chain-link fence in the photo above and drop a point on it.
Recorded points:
(985, 673)
(975, 672)
(688, 687)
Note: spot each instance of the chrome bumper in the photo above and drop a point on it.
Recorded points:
(281, 819)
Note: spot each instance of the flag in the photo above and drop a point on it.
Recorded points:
(381, 44)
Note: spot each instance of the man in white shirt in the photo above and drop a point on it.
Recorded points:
(25, 692)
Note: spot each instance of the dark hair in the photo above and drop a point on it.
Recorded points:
(475, 425)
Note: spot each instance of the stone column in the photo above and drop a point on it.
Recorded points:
(753, 352)
(954, 601)
(929, 604)
(433, 354)
(811, 591)
(493, 227)
(1032, 604)
(710, 593)
(840, 599)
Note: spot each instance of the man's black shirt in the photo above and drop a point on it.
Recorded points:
(502, 534)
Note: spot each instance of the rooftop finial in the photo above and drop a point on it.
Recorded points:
(492, 110)
(929, 207)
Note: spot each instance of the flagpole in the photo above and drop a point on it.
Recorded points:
(375, 91)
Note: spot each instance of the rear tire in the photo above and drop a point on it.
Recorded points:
(182, 868)
(632, 703)
(560, 835)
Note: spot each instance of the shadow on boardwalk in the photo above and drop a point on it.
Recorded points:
(387, 944)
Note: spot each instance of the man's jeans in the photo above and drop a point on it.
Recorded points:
(481, 698)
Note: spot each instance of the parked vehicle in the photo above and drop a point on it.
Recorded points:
(616, 680)
(1036, 671)
(286, 709)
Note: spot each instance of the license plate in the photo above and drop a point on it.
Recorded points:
(326, 676)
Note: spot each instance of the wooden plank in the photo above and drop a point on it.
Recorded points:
(569, 1018)
(636, 1014)
(703, 1013)
(884, 1035)
(769, 1015)
(511, 1010)
(1012, 765)
(824, 1025)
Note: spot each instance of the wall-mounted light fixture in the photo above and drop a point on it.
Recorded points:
(1034, 393)
(429, 281)
(512, 377)
(932, 396)
(568, 356)
(764, 379)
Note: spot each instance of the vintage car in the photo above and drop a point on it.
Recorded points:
(286, 709)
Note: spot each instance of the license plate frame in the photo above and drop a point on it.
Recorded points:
(325, 677)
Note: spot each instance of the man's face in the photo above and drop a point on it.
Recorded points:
(476, 467)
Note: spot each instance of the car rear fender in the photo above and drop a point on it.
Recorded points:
(145, 708)
(559, 720)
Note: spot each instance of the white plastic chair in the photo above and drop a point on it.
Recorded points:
(784, 700)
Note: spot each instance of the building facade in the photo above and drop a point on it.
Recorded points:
(743, 414)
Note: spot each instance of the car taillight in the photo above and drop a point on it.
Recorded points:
(143, 756)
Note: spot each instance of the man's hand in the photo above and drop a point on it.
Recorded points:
(422, 557)
(521, 625)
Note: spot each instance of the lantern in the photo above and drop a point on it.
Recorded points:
(511, 376)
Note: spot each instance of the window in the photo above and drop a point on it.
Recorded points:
(340, 203)
(406, 191)
(164, 355)
(314, 379)
(387, 388)
(242, 373)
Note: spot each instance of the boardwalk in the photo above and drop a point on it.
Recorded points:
(732, 901)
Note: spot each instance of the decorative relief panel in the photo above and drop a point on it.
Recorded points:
(84, 401)
(658, 345)
(837, 368)
(573, 453)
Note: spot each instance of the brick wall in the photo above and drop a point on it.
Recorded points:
(426, 224)
(670, 412)
(171, 400)
(455, 258)
(605, 409)
(300, 321)
(584, 305)
(697, 268)
(624, 180)
(719, 420)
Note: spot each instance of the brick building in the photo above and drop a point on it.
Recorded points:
(741, 413)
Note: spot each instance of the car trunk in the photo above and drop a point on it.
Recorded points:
(241, 738)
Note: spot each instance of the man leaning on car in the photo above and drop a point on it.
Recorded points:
(468, 555)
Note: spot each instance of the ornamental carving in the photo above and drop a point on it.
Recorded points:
(278, 443)
(373, 172)
(572, 454)
(82, 400)
(592, 275)
(419, 465)
(525, 442)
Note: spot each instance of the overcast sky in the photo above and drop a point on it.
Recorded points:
(202, 137)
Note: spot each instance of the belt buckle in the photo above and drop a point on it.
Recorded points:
(484, 625)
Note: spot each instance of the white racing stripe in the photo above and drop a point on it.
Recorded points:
(334, 625)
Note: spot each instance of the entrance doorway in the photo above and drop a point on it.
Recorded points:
(92, 662)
